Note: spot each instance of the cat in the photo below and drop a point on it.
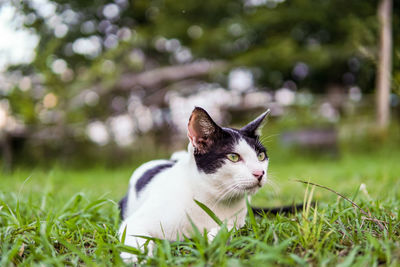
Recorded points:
(220, 166)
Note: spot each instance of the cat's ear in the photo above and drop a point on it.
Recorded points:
(202, 130)
(253, 128)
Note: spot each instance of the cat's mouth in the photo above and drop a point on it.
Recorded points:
(238, 190)
(252, 187)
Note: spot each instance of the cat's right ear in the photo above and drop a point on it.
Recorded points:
(202, 130)
(253, 128)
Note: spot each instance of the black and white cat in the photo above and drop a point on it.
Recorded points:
(219, 168)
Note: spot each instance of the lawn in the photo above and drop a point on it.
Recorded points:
(70, 217)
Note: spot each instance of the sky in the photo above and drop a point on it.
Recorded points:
(17, 45)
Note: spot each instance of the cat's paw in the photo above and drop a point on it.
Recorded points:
(128, 258)
(212, 233)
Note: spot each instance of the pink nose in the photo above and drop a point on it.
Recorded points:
(258, 174)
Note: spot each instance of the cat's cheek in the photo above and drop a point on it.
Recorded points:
(263, 181)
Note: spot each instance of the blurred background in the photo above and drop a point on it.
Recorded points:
(87, 83)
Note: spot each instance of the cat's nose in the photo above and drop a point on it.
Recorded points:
(258, 174)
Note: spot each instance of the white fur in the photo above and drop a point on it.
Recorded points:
(162, 208)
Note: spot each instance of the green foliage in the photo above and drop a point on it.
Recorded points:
(271, 38)
(83, 232)
(70, 217)
(331, 38)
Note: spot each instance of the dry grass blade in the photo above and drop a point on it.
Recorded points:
(380, 223)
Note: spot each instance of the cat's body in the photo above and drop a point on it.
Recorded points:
(219, 168)
(183, 184)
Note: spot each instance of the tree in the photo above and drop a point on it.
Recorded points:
(384, 67)
(92, 55)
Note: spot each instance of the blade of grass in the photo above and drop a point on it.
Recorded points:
(124, 235)
(372, 218)
(251, 217)
(81, 255)
(209, 212)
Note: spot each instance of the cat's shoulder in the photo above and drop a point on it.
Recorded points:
(148, 166)
(179, 155)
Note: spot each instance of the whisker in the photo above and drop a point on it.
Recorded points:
(268, 138)
(274, 186)
(224, 192)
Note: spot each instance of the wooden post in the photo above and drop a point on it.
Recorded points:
(384, 69)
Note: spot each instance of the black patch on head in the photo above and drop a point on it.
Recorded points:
(254, 142)
(122, 206)
(150, 174)
(212, 160)
(212, 143)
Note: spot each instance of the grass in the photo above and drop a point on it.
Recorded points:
(70, 217)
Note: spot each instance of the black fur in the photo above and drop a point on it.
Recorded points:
(142, 182)
(255, 143)
(214, 158)
(122, 205)
(149, 174)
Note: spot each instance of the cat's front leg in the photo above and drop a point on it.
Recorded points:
(214, 231)
(128, 257)
(133, 239)
(139, 243)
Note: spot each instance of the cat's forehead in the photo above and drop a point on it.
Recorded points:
(245, 151)
(233, 134)
(237, 137)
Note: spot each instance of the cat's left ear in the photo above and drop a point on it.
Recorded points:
(202, 130)
(253, 128)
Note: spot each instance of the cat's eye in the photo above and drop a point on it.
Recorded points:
(233, 157)
(261, 156)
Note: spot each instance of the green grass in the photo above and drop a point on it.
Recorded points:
(70, 217)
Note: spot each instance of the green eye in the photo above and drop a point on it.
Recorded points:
(233, 157)
(261, 156)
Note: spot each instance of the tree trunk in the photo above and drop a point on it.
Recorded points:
(384, 64)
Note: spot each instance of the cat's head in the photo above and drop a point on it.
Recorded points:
(234, 159)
